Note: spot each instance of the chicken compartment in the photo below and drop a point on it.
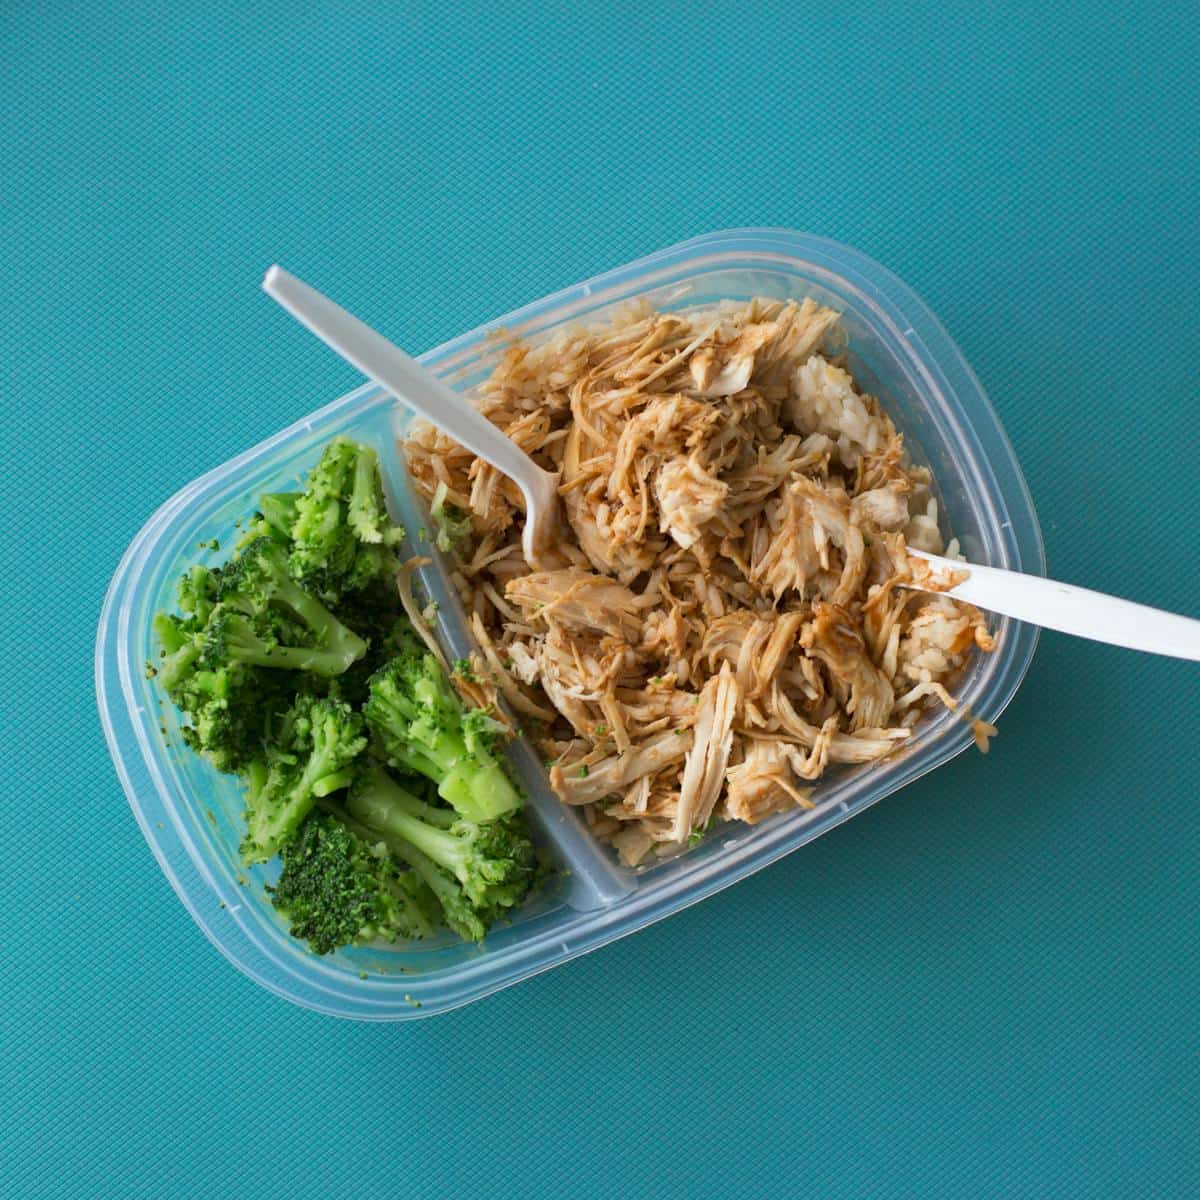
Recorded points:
(766, 783)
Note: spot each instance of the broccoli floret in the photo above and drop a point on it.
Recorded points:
(320, 518)
(278, 512)
(232, 713)
(477, 869)
(249, 626)
(281, 657)
(481, 732)
(337, 888)
(263, 642)
(421, 726)
(230, 706)
(367, 509)
(341, 533)
(274, 518)
(311, 756)
(198, 590)
(452, 524)
(180, 642)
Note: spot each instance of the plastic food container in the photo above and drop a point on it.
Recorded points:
(190, 814)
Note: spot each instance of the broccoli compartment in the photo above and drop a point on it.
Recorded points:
(295, 668)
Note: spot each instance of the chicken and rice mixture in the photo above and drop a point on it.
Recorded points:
(728, 617)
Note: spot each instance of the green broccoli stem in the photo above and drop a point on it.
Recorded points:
(328, 784)
(456, 908)
(381, 803)
(412, 758)
(440, 818)
(256, 779)
(417, 922)
(324, 773)
(363, 510)
(279, 510)
(246, 646)
(330, 632)
(472, 783)
(170, 636)
(478, 790)
(384, 805)
(481, 791)
(196, 592)
(180, 652)
(459, 915)
(397, 846)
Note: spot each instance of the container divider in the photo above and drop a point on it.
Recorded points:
(594, 879)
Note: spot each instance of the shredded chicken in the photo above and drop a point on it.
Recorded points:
(730, 618)
(763, 783)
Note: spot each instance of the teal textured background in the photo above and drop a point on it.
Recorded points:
(988, 985)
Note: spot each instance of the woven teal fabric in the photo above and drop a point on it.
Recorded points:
(987, 986)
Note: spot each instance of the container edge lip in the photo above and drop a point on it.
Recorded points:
(944, 349)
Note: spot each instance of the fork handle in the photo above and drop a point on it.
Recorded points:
(396, 372)
(1070, 609)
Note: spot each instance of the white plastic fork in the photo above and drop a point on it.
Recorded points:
(1031, 598)
(423, 392)
(1068, 609)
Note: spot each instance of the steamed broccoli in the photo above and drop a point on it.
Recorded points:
(337, 888)
(366, 509)
(198, 590)
(230, 706)
(452, 524)
(477, 870)
(310, 757)
(232, 713)
(264, 617)
(274, 519)
(179, 645)
(278, 511)
(280, 658)
(341, 533)
(421, 726)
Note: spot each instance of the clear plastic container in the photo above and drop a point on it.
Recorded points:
(190, 814)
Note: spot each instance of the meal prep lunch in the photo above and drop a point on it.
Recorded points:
(728, 619)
